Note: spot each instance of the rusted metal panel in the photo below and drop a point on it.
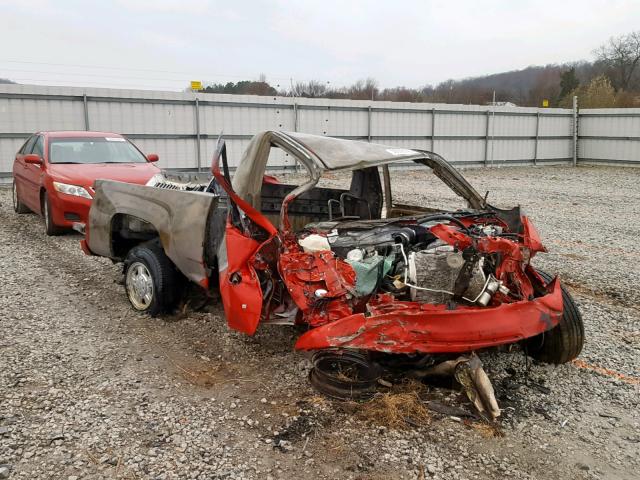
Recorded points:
(180, 218)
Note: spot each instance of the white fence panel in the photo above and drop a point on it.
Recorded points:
(554, 151)
(177, 153)
(141, 118)
(400, 123)
(29, 115)
(609, 135)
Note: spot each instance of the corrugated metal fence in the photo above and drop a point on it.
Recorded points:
(182, 127)
(609, 135)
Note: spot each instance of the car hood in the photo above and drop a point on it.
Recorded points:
(85, 174)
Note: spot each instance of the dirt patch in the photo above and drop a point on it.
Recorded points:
(487, 430)
(312, 417)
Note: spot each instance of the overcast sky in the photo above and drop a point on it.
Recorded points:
(165, 43)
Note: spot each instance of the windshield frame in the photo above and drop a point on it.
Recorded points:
(79, 139)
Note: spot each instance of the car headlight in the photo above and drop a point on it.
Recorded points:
(74, 190)
(156, 179)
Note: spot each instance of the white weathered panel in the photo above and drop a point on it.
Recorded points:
(556, 125)
(312, 121)
(458, 124)
(174, 153)
(513, 125)
(396, 123)
(350, 123)
(8, 149)
(460, 150)
(141, 118)
(240, 120)
(511, 150)
(625, 150)
(333, 122)
(610, 126)
(29, 116)
(554, 149)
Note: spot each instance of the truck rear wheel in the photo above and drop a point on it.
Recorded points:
(563, 342)
(152, 283)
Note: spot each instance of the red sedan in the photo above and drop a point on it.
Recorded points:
(53, 173)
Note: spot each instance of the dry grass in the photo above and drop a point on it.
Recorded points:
(400, 408)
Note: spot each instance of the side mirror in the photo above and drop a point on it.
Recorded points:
(33, 159)
(152, 157)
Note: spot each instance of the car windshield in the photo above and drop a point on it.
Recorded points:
(93, 150)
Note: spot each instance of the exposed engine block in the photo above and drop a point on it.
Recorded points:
(412, 263)
(433, 274)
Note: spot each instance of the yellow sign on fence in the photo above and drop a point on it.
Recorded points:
(545, 102)
(196, 85)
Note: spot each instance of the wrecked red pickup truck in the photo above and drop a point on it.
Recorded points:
(372, 280)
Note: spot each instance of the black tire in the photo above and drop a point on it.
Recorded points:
(563, 342)
(50, 228)
(18, 206)
(166, 280)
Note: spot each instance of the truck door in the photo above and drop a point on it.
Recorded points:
(239, 282)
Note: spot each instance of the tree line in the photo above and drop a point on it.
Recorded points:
(611, 79)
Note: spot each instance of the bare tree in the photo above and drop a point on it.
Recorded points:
(621, 55)
(310, 89)
(363, 90)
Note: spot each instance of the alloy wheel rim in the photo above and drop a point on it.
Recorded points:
(139, 286)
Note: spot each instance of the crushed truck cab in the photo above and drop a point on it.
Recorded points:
(362, 272)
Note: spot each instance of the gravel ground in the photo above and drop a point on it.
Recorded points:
(89, 389)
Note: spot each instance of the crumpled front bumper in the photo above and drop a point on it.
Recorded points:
(408, 327)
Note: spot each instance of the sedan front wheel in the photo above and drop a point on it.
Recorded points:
(50, 228)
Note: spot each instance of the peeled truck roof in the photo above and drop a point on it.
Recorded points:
(338, 153)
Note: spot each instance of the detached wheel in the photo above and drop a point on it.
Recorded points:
(18, 206)
(152, 282)
(50, 228)
(343, 374)
(563, 342)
